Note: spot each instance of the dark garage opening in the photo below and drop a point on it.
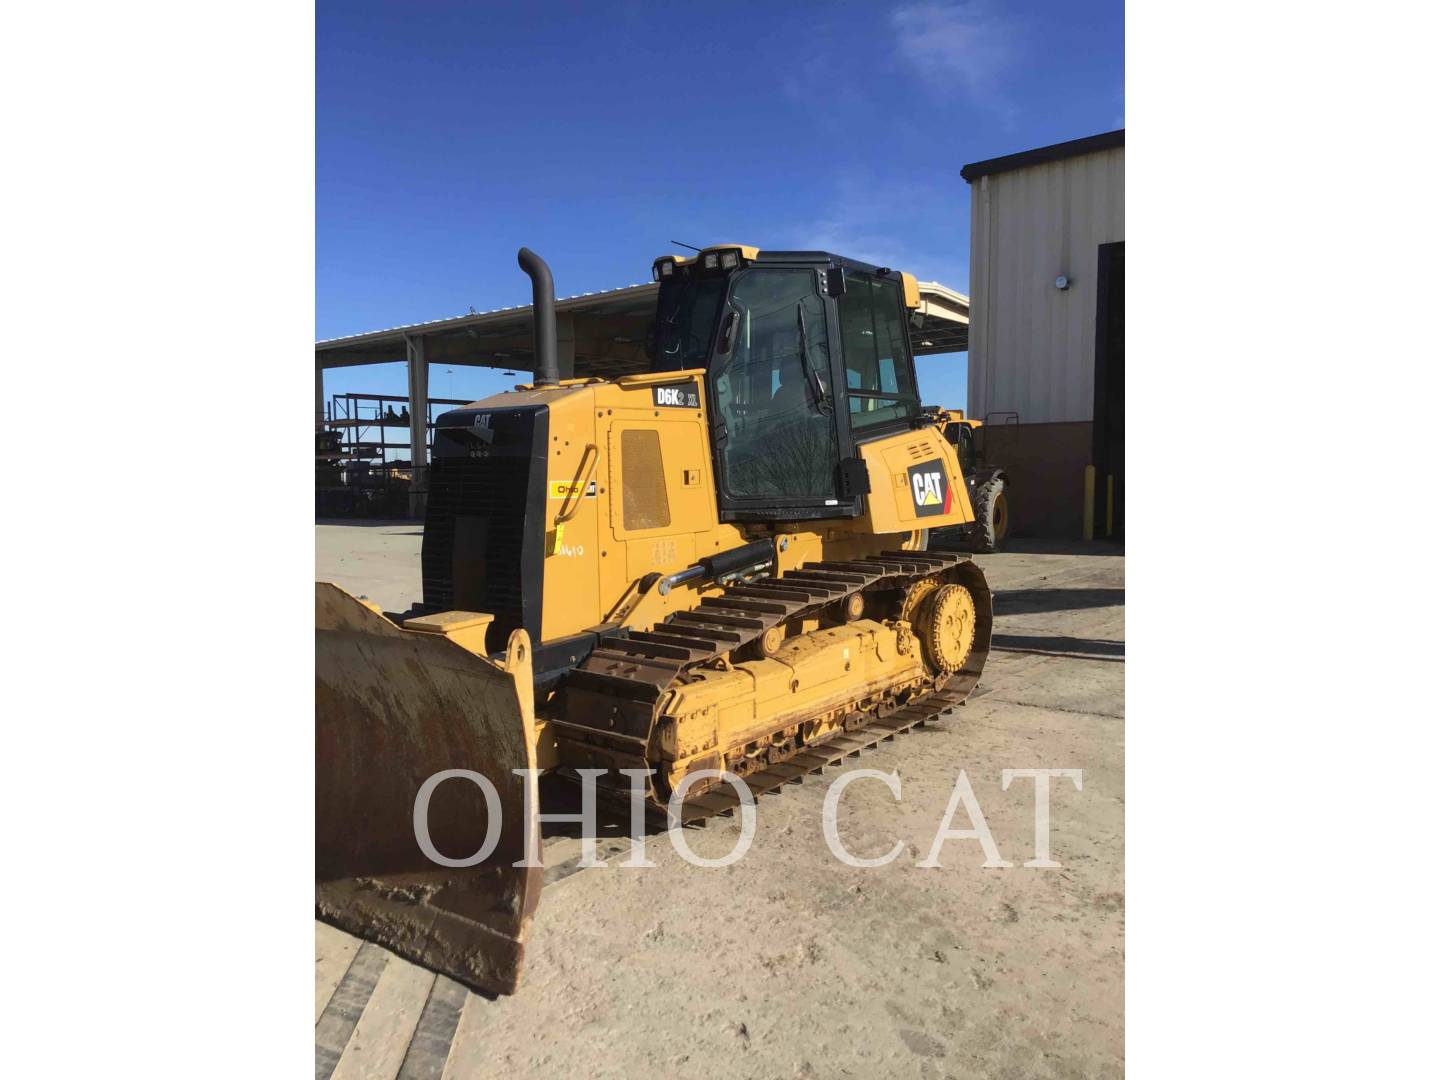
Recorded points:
(1108, 451)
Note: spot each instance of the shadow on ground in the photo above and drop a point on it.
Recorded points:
(1047, 546)
(1030, 601)
(371, 523)
(560, 795)
(1045, 645)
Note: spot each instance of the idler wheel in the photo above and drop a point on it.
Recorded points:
(945, 626)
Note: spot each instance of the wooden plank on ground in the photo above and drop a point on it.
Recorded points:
(337, 1022)
(470, 1057)
(377, 1048)
(429, 1047)
(334, 949)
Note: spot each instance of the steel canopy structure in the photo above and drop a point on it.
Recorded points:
(601, 334)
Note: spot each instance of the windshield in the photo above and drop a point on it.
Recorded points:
(685, 321)
(772, 389)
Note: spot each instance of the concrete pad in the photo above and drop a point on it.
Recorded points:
(789, 962)
(379, 559)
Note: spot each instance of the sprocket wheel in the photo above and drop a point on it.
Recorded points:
(915, 595)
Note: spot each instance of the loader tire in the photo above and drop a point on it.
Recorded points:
(992, 518)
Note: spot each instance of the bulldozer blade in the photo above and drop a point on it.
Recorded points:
(392, 708)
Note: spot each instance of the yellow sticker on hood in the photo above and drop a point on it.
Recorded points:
(569, 489)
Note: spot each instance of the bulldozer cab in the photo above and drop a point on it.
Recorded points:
(805, 354)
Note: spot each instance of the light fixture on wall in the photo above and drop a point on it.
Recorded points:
(1062, 283)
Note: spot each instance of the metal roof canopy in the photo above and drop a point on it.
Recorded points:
(608, 330)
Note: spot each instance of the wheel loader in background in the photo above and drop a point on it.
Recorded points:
(987, 486)
(715, 565)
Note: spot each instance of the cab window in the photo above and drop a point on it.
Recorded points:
(772, 388)
(685, 322)
(964, 440)
(879, 370)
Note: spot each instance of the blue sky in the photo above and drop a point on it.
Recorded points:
(449, 134)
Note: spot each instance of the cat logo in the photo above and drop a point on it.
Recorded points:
(685, 396)
(929, 488)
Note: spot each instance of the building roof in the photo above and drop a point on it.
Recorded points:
(609, 327)
(1091, 144)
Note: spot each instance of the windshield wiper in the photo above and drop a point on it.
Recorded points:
(817, 387)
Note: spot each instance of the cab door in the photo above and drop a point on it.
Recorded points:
(776, 444)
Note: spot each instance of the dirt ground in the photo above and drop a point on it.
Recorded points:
(790, 963)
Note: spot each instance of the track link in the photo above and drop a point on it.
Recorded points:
(816, 757)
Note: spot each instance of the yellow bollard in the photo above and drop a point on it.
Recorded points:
(1087, 530)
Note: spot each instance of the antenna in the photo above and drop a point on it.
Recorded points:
(692, 247)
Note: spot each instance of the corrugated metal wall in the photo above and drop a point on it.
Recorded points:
(1032, 347)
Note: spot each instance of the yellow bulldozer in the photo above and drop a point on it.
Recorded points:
(718, 566)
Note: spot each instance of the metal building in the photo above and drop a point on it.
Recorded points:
(1047, 334)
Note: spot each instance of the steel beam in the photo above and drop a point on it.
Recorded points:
(419, 389)
(319, 397)
(565, 343)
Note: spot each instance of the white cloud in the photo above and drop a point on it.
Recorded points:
(865, 217)
(951, 46)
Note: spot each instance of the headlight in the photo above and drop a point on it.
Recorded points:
(712, 260)
(729, 260)
(664, 268)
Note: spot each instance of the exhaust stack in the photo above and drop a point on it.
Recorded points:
(542, 287)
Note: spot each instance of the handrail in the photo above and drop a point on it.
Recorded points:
(578, 493)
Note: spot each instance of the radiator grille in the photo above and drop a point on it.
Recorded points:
(480, 545)
(643, 480)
